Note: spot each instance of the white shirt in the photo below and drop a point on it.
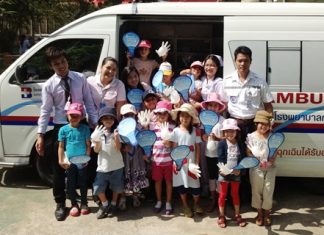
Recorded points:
(218, 133)
(109, 158)
(211, 86)
(183, 137)
(245, 98)
(233, 153)
(53, 99)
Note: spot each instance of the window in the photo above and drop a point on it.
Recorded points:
(83, 56)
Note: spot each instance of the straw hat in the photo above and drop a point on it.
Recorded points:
(188, 108)
(263, 116)
(213, 97)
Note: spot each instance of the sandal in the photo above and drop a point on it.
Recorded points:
(221, 222)
(259, 221)
(267, 221)
(241, 222)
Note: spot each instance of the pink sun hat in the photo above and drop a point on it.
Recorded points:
(163, 106)
(213, 97)
(197, 63)
(230, 124)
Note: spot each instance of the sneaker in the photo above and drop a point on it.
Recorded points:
(112, 211)
(75, 211)
(168, 211)
(198, 210)
(187, 212)
(136, 201)
(85, 209)
(157, 209)
(122, 204)
(60, 212)
(102, 212)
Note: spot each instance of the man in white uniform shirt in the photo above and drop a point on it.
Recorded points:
(245, 92)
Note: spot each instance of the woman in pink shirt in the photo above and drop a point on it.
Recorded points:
(106, 89)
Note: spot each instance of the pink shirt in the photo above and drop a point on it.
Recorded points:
(145, 68)
(108, 95)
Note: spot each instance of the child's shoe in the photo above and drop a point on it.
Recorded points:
(85, 209)
(75, 211)
(157, 208)
(168, 211)
(198, 210)
(240, 221)
(112, 211)
(136, 201)
(187, 212)
(102, 212)
(122, 203)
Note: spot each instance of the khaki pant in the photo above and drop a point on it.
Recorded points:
(262, 185)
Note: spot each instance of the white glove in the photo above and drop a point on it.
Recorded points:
(256, 151)
(224, 169)
(163, 50)
(174, 97)
(97, 133)
(194, 168)
(167, 91)
(144, 117)
(165, 133)
(211, 144)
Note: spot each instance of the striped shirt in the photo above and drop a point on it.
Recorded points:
(161, 153)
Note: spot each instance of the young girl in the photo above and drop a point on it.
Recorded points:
(213, 103)
(212, 81)
(142, 62)
(105, 140)
(186, 134)
(195, 73)
(131, 78)
(263, 177)
(230, 151)
(161, 160)
(74, 141)
(135, 171)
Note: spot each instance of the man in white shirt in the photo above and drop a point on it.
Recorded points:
(245, 92)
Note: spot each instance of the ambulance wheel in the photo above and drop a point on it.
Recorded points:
(43, 164)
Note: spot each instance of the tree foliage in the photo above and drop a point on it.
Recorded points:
(26, 16)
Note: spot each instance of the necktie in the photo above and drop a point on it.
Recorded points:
(67, 88)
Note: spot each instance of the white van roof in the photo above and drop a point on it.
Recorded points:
(214, 8)
(203, 9)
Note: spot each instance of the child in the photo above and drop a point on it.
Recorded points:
(166, 68)
(74, 141)
(135, 171)
(131, 78)
(213, 103)
(195, 72)
(263, 177)
(161, 160)
(186, 134)
(212, 81)
(230, 151)
(105, 140)
(142, 62)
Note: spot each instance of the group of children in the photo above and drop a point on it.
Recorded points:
(127, 171)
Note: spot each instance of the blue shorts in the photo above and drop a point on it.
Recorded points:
(115, 180)
(182, 190)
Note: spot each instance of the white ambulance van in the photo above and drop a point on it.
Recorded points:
(287, 41)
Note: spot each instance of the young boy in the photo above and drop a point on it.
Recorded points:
(74, 141)
(105, 141)
(63, 87)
